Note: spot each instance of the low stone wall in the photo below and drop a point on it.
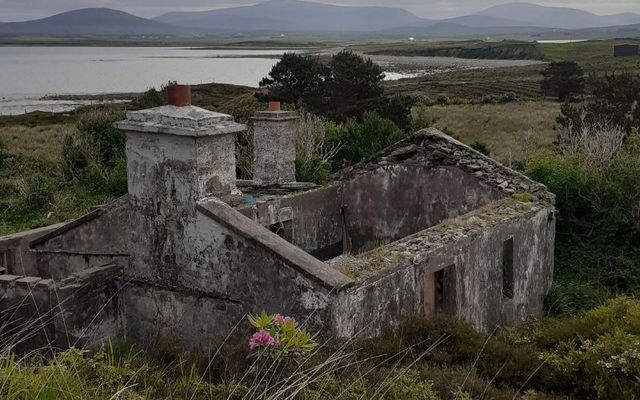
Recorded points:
(15, 255)
(45, 315)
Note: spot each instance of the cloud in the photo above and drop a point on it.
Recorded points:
(27, 9)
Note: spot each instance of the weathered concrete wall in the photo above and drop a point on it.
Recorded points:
(315, 217)
(15, 253)
(234, 267)
(382, 205)
(398, 200)
(472, 254)
(99, 238)
(44, 315)
(88, 309)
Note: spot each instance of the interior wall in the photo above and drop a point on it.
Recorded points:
(380, 206)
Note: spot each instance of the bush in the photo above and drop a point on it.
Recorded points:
(3, 155)
(314, 170)
(395, 108)
(94, 154)
(35, 194)
(150, 99)
(421, 118)
(359, 141)
(598, 229)
(481, 147)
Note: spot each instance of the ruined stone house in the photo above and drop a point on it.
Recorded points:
(426, 226)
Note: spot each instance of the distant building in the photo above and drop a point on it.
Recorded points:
(625, 50)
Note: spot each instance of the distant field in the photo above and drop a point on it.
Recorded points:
(595, 56)
(512, 131)
(525, 82)
(505, 50)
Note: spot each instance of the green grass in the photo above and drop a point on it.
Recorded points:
(512, 132)
(35, 152)
(595, 56)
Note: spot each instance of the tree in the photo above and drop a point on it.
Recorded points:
(353, 79)
(297, 78)
(563, 80)
(342, 89)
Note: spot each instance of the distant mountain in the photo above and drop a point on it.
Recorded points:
(296, 16)
(482, 21)
(91, 21)
(528, 14)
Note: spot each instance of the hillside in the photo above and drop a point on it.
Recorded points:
(91, 21)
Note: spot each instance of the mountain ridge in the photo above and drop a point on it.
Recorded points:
(294, 16)
(92, 21)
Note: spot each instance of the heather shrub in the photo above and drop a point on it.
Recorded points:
(33, 194)
(93, 154)
(359, 141)
(421, 118)
(481, 147)
(313, 152)
(595, 178)
(314, 170)
(3, 155)
(150, 99)
(605, 368)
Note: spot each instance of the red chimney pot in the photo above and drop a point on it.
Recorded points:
(179, 95)
(274, 106)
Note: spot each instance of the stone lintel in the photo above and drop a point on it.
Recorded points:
(181, 121)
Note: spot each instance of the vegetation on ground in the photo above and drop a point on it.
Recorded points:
(594, 172)
(504, 50)
(592, 355)
(61, 171)
(512, 132)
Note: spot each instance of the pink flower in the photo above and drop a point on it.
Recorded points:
(281, 320)
(263, 339)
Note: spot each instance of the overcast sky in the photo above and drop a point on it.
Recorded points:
(13, 10)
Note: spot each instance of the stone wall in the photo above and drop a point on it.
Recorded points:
(470, 249)
(234, 268)
(98, 238)
(45, 315)
(15, 255)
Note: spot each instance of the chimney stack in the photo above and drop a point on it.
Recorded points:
(178, 154)
(274, 152)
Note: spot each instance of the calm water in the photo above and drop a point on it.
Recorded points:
(28, 73)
